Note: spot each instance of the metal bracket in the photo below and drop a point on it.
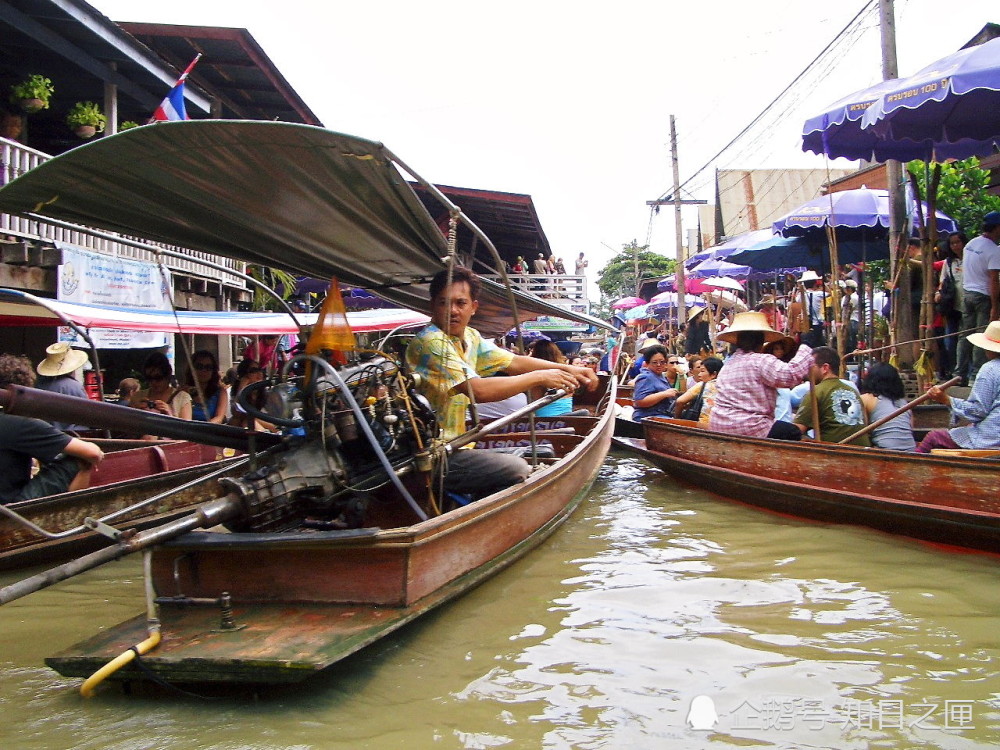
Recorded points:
(96, 524)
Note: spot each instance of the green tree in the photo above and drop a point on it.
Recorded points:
(617, 279)
(962, 193)
(280, 281)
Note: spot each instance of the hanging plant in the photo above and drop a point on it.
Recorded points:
(86, 119)
(32, 94)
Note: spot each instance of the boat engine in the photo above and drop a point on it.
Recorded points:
(351, 427)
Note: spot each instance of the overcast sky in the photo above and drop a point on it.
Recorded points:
(570, 102)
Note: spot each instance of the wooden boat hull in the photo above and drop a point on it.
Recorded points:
(124, 478)
(950, 500)
(308, 600)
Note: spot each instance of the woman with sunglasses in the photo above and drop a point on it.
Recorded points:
(210, 399)
(658, 384)
(160, 395)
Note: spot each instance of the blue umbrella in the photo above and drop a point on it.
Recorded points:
(949, 110)
(725, 249)
(954, 103)
(715, 267)
(861, 209)
(790, 252)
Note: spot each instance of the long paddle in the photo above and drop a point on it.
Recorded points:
(901, 410)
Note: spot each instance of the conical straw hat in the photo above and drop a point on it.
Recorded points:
(749, 321)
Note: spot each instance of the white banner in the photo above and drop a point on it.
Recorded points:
(97, 279)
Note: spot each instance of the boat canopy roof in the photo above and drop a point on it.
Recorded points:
(297, 197)
(20, 309)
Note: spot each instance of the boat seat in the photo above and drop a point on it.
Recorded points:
(967, 452)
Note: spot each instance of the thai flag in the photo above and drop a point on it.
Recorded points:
(172, 106)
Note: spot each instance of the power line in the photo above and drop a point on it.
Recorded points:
(867, 7)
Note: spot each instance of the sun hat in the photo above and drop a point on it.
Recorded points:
(851, 283)
(767, 299)
(989, 339)
(648, 342)
(809, 276)
(749, 321)
(694, 312)
(61, 359)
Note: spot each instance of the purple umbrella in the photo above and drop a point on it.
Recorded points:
(732, 245)
(953, 102)
(856, 209)
(958, 94)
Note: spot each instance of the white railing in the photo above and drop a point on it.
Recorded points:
(569, 292)
(16, 159)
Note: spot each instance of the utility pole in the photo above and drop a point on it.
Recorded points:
(894, 184)
(678, 229)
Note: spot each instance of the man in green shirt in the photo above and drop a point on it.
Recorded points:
(838, 402)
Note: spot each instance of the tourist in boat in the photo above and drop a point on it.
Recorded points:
(981, 409)
(210, 401)
(747, 386)
(658, 385)
(547, 350)
(837, 402)
(65, 462)
(882, 393)
(454, 362)
(160, 395)
(248, 372)
(55, 374)
(701, 396)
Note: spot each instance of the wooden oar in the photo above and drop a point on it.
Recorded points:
(901, 410)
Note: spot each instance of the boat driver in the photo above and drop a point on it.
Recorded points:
(454, 362)
(66, 462)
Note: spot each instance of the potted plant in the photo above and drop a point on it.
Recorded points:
(32, 94)
(85, 118)
(127, 125)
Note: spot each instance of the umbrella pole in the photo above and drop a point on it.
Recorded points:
(838, 308)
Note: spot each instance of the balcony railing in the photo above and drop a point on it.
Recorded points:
(16, 159)
(568, 292)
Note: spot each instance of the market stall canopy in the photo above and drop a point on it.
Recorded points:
(309, 200)
(715, 267)
(732, 245)
(20, 309)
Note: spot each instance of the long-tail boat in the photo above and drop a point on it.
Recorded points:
(949, 499)
(339, 535)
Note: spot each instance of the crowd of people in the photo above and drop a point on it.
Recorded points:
(781, 380)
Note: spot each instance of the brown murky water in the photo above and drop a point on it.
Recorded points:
(658, 617)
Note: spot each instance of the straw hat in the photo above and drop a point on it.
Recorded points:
(990, 339)
(694, 312)
(789, 344)
(61, 359)
(648, 342)
(749, 321)
(809, 276)
(767, 299)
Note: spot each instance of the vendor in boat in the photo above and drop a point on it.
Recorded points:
(981, 409)
(747, 386)
(658, 385)
(837, 403)
(454, 362)
(65, 462)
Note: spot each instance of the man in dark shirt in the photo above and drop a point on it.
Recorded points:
(65, 462)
